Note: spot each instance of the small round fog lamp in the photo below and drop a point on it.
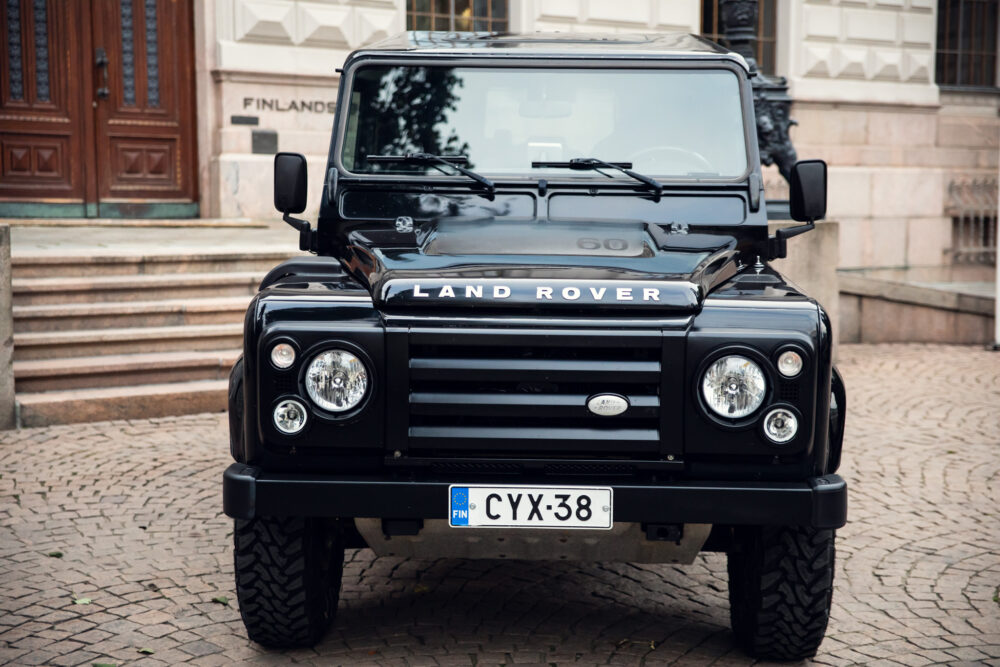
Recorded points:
(780, 425)
(289, 417)
(283, 355)
(790, 363)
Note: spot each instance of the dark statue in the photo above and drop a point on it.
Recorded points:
(771, 102)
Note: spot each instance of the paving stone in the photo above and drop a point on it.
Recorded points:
(135, 509)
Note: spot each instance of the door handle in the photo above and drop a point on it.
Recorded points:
(101, 61)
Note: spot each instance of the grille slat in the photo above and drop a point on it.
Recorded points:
(445, 437)
(513, 405)
(550, 370)
(525, 393)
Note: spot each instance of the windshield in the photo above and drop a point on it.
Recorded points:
(669, 123)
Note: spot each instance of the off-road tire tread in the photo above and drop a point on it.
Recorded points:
(780, 590)
(288, 573)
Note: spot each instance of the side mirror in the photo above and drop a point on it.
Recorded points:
(806, 203)
(290, 183)
(807, 191)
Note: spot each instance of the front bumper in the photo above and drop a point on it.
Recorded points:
(821, 502)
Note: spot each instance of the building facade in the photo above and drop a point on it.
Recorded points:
(102, 117)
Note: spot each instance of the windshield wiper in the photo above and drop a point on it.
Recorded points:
(593, 164)
(436, 161)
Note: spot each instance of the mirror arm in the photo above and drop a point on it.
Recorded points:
(305, 231)
(753, 189)
(777, 245)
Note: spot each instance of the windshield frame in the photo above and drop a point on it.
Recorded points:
(335, 159)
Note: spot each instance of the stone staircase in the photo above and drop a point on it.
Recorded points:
(128, 336)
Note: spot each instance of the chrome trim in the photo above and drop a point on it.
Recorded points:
(759, 303)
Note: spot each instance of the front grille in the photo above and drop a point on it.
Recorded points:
(525, 393)
(490, 467)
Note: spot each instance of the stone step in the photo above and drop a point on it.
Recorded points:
(131, 402)
(92, 289)
(166, 313)
(37, 375)
(129, 340)
(52, 265)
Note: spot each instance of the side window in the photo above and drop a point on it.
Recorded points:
(457, 15)
(712, 28)
(967, 43)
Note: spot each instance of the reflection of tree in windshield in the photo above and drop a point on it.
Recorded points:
(407, 111)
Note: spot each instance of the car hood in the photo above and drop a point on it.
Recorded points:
(544, 265)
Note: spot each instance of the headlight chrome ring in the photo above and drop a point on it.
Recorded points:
(733, 386)
(781, 425)
(283, 356)
(290, 416)
(337, 380)
(790, 363)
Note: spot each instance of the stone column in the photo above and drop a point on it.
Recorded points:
(6, 334)
(812, 265)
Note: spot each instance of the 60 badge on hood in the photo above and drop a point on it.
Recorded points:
(560, 293)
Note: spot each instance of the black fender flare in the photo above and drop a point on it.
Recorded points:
(838, 417)
(236, 444)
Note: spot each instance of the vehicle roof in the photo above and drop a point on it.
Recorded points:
(672, 45)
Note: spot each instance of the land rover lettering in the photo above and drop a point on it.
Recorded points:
(661, 296)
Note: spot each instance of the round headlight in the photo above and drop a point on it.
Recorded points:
(733, 387)
(790, 363)
(336, 380)
(780, 425)
(289, 417)
(283, 355)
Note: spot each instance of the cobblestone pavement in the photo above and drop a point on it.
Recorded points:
(133, 509)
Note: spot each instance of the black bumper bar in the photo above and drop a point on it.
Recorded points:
(820, 502)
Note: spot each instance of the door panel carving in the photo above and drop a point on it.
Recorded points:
(149, 163)
(41, 118)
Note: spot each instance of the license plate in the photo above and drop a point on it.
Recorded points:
(530, 507)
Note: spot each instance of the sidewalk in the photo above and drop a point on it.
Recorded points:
(112, 540)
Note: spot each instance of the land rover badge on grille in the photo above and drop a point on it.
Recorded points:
(607, 405)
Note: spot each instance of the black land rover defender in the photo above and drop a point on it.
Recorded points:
(540, 324)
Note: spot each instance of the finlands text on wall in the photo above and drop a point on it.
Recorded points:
(274, 104)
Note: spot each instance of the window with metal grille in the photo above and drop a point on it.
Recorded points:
(967, 43)
(712, 28)
(457, 15)
(972, 205)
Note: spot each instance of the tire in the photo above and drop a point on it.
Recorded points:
(288, 573)
(236, 448)
(780, 590)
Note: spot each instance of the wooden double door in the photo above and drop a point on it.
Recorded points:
(97, 108)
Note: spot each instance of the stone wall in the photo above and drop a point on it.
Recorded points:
(878, 310)
(7, 417)
(862, 75)
(271, 80)
(890, 167)
(878, 51)
(620, 16)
